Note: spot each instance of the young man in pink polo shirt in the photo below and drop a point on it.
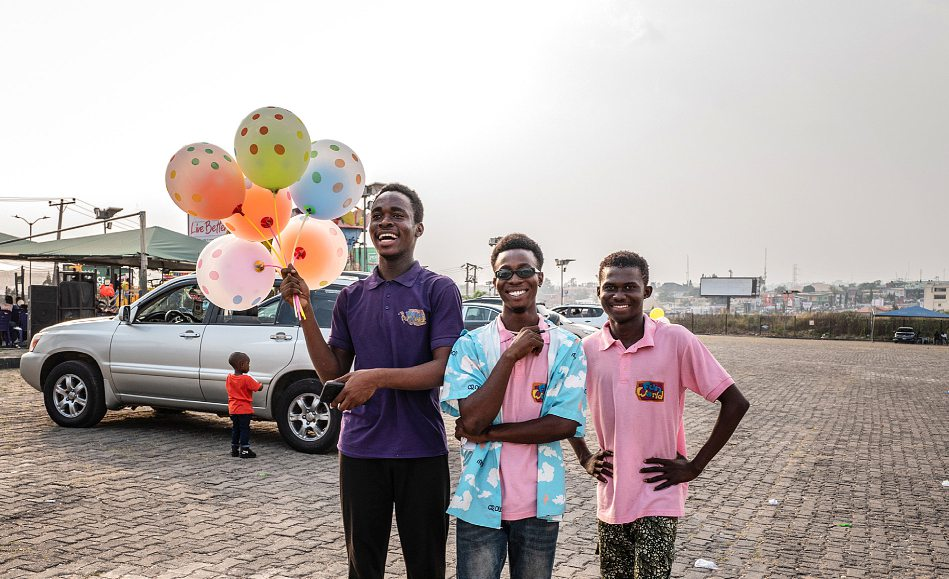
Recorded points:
(638, 373)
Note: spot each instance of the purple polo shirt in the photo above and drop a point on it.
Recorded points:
(396, 324)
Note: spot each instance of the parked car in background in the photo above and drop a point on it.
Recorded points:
(479, 311)
(905, 335)
(169, 350)
(590, 314)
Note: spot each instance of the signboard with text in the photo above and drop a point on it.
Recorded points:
(206, 229)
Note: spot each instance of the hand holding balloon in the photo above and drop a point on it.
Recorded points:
(293, 288)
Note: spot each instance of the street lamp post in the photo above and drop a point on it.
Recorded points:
(107, 213)
(30, 223)
(562, 264)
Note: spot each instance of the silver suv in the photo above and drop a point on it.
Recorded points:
(169, 350)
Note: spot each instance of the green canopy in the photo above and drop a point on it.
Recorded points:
(164, 248)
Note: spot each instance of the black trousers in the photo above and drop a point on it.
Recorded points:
(240, 431)
(418, 488)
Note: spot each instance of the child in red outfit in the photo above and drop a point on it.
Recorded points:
(240, 391)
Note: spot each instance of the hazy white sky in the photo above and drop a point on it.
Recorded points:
(713, 130)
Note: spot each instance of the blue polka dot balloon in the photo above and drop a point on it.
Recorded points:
(333, 182)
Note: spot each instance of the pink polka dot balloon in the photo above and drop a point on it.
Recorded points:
(316, 248)
(235, 274)
(204, 181)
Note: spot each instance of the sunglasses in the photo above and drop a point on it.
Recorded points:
(523, 273)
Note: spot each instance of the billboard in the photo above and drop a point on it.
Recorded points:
(728, 286)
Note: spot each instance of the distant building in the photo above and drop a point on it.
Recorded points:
(934, 295)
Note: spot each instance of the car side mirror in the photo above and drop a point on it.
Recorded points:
(124, 314)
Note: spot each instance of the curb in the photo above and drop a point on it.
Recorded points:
(7, 363)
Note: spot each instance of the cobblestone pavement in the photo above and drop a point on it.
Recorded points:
(838, 432)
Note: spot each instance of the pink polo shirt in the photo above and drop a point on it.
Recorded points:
(636, 399)
(523, 400)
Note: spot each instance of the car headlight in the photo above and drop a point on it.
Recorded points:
(35, 341)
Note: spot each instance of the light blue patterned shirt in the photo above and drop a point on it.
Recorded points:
(477, 498)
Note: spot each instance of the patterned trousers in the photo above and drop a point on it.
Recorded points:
(643, 549)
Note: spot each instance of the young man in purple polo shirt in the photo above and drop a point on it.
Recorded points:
(399, 325)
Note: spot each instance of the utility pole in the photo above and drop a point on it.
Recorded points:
(62, 203)
(562, 264)
(471, 276)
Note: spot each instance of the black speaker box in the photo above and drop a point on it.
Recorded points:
(44, 307)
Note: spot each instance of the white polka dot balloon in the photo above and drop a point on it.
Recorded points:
(235, 274)
(332, 183)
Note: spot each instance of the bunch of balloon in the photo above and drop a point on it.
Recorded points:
(272, 146)
(275, 165)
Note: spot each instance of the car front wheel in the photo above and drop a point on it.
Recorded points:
(305, 423)
(74, 396)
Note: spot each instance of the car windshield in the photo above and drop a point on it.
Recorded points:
(904, 329)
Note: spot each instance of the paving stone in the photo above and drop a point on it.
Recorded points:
(838, 432)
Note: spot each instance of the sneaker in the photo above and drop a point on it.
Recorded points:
(248, 453)
(234, 451)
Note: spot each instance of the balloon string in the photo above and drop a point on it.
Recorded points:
(293, 256)
(266, 242)
(275, 212)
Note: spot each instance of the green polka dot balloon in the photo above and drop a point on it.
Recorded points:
(272, 147)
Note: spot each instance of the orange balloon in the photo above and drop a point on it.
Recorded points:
(259, 222)
(204, 181)
(316, 248)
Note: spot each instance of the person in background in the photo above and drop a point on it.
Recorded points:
(240, 394)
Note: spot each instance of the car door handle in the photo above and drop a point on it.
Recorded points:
(280, 336)
(190, 334)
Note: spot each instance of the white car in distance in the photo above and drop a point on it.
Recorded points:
(591, 314)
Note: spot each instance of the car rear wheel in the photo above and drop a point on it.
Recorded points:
(74, 396)
(306, 424)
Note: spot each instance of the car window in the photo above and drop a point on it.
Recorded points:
(554, 317)
(476, 314)
(184, 304)
(264, 314)
(323, 300)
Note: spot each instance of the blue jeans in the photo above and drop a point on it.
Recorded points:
(531, 544)
(240, 431)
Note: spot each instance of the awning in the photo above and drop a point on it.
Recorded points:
(165, 249)
(910, 312)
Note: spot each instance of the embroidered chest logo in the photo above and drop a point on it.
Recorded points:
(413, 317)
(538, 389)
(650, 391)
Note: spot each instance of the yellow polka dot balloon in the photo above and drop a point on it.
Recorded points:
(204, 181)
(273, 147)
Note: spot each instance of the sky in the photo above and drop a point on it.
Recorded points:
(703, 135)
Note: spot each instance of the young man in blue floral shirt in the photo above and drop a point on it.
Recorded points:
(517, 388)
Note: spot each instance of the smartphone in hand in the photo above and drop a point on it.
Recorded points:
(330, 391)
